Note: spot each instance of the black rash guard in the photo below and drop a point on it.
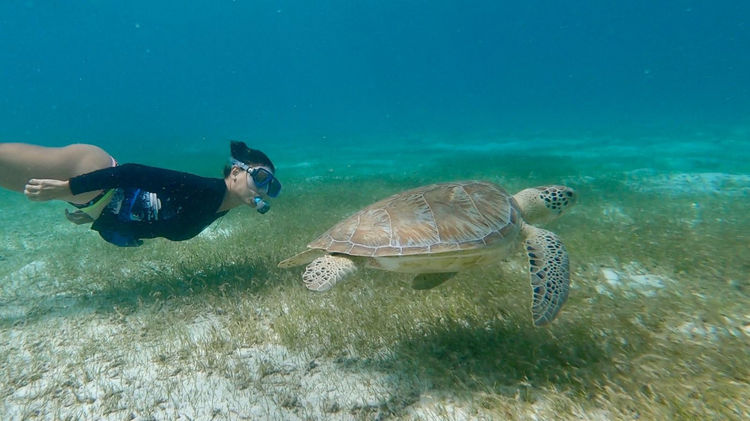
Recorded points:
(152, 202)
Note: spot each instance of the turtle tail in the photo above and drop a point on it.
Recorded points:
(303, 258)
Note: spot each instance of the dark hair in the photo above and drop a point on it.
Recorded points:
(242, 153)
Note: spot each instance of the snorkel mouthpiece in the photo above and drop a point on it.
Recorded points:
(260, 205)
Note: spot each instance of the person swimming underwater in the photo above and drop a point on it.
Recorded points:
(131, 202)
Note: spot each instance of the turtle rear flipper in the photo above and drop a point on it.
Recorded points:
(430, 280)
(326, 271)
(549, 273)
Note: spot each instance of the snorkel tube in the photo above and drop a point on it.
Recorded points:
(261, 205)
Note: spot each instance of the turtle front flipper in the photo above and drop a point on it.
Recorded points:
(549, 273)
(430, 280)
(326, 271)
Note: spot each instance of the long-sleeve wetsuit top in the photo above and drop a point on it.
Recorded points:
(152, 202)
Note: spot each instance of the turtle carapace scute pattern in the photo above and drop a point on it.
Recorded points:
(437, 230)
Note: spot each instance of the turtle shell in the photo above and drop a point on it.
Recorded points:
(436, 218)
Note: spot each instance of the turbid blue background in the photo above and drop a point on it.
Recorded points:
(158, 73)
(642, 106)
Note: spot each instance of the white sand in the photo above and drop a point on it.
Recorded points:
(732, 185)
(94, 365)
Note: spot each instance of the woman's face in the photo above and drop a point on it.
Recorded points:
(245, 186)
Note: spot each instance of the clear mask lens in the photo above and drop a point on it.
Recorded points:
(264, 179)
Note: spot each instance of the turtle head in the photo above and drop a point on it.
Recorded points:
(544, 203)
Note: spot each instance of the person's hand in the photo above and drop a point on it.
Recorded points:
(41, 190)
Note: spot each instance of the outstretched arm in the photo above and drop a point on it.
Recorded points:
(127, 175)
(134, 176)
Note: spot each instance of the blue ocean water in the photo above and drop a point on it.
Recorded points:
(139, 76)
(643, 107)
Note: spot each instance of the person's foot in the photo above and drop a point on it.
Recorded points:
(78, 217)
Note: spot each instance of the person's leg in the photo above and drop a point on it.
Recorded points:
(20, 162)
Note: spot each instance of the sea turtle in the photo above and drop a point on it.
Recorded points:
(437, 230)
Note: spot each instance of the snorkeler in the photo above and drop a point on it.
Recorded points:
(127, 203)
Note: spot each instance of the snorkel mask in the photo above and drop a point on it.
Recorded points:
(264, 180)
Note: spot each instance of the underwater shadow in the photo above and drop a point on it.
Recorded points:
(249, 277)
(502, 358)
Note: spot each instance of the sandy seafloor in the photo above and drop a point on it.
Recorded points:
(73, 348)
